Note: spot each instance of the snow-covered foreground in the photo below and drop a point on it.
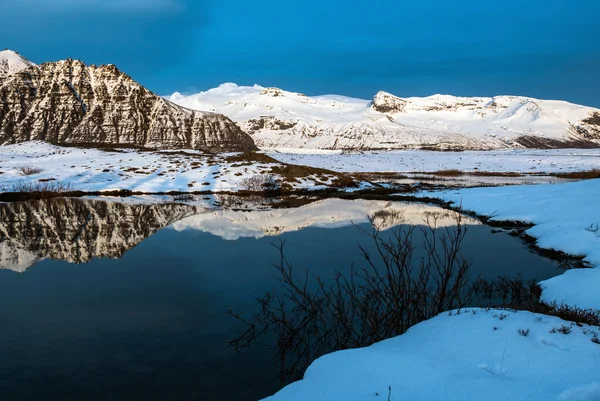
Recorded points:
(523, 161)
(187, 171)
(475, 355)
(566, 218)
(93, 170)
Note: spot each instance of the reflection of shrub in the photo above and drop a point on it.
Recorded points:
(261, 182)
(39, 189)
(393, 292)
(29, 170)
(183, 197)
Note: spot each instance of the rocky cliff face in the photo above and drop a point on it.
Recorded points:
(384, 102)
(77, 230)
(68, 102)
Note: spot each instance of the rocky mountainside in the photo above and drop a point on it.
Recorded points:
(280, 119)
(68, 102)
(77, 230)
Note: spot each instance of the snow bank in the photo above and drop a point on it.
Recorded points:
(566, 218)
(475, 355)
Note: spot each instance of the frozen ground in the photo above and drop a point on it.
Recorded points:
(97, 170)
(473, 356)
(187, 171)
(524, 161)
(566, 218)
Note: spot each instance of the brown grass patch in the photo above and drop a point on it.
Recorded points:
(250, 157)
(446, 173)
(582, 175)
(459, 173)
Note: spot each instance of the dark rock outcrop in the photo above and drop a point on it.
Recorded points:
(267, 122)
(384, 102)
(68, 102)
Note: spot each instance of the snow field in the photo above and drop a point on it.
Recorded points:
(476, 354)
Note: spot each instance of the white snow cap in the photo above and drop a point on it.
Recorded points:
(12, 62)
(388, 121)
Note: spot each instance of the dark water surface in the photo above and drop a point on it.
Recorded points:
(152, 323)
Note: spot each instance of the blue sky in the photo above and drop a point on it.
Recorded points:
(546, 49)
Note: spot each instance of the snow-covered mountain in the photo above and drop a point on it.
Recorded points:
(280, 119)
(12, 62)
(68, 102)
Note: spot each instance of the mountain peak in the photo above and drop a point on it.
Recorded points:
(272, 92)
(12, 62)
(102, 105)
(385, 102)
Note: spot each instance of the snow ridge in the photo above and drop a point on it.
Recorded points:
(276, 118)
(12, 62)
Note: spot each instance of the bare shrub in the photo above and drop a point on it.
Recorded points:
(524, 332)
(564, 329)
(392, 292)
(29, 170)
(260, 182)
(39, 189)
(517, 294)
(593, 228)
(509, 292)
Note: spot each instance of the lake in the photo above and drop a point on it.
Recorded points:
(129, 299)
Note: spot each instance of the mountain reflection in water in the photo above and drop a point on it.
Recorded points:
(78, 230)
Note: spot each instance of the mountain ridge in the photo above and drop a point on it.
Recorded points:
(69, 102)
(278, 118)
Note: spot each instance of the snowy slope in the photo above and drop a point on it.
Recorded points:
(94, 170)
(472, 356)
(277, 118)
(12, 62)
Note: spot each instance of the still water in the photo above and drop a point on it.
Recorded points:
(104, 300)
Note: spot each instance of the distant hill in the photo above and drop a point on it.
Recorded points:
(277, 118)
